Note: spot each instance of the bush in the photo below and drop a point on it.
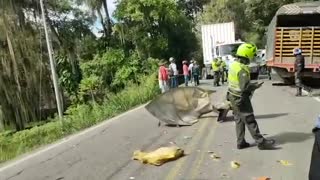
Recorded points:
(78, 118)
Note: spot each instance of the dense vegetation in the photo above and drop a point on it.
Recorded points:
(99, 77)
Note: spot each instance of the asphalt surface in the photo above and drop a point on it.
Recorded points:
(104, 152)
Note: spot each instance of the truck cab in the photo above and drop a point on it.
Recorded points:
(228, 51)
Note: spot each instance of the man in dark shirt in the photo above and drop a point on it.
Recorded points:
(299, 68)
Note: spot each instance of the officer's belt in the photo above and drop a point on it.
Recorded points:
(234, 93)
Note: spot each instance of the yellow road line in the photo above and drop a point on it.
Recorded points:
(199, 133)
(199, 160)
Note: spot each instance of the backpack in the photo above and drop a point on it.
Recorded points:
(195, 69)
(170, 70)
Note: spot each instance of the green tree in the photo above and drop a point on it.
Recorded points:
(96, 6)
(26, 89)
(22, 71)
(221, 11)
(156, 28)
(192, 8)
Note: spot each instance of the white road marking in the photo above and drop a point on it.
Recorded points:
(317, 98)
(307, 93)
(64, 140)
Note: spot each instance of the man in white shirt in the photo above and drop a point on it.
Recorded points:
(173, 73)
(190, 69)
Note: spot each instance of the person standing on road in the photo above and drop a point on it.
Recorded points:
(227, 63)
(185, 72)
(216, 72)
(299, 68)
(222, 70)
(239, 91)
(190, 71)
(163, 77)
(196, 73)
(173, 73)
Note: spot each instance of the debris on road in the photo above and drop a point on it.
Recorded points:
(223, 175)
(214, 156)
(284, 162)
(187, 137)
(235, 164)
(159, 156)
(262, 178)
(173, 143)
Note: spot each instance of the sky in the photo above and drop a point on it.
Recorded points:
(112, 5)
(97, 25)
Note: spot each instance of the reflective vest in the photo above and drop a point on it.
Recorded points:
(233, 76)
(215, 65)
(223, 65)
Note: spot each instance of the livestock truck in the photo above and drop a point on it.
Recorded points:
(218, 40)
(294, 25)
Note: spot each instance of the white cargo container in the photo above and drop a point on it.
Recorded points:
(218, 40)
(213, 35)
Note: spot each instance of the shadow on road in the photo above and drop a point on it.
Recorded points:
(265, 116)
(291, 137)
(269, 116)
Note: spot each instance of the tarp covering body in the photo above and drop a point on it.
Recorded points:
(184, 105)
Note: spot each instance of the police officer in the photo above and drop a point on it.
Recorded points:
(299, 67)
(216, 72)
(239, 91)
(223, 67)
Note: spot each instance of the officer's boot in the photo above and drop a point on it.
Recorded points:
(243, 145)
(223, 114)
(266, 144)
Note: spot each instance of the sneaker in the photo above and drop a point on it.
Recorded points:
(243, 145)
(266, 144)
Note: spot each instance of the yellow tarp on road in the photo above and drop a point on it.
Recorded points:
(159, 156)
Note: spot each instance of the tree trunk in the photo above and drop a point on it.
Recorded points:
(102, 23)
(108, 20)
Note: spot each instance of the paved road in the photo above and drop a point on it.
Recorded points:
(104, 152)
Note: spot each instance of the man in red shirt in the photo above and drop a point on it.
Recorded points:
(163, 77)
(185, 72)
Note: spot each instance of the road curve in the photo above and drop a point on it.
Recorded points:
(104, 151)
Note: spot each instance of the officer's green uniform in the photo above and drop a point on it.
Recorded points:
(223, 66)
(239, 92)
(216, 72)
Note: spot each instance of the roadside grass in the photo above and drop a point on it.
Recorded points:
(77, 119)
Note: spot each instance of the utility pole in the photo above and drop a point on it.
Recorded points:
(52, 64)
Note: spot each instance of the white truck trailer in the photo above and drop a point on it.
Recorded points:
(218, 40)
